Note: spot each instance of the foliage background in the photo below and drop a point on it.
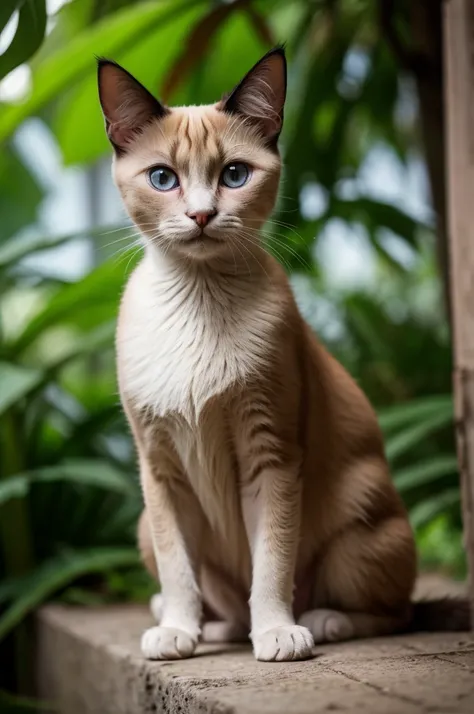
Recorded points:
(365, 81)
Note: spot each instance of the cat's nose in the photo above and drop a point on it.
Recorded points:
(202, 218)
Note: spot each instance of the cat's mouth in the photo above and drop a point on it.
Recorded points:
(202, 237)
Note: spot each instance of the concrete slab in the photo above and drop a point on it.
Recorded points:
(89, 662)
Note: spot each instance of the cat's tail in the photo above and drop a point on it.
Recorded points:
(448, 614)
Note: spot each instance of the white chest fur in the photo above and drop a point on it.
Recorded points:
(187, 334)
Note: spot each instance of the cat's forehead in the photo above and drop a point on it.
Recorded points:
(204, 137)
(198, 131)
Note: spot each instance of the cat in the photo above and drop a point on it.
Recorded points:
(269, 509)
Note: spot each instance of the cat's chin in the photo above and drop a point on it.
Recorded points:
(203, 247)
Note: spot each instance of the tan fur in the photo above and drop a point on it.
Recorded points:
(268, 496)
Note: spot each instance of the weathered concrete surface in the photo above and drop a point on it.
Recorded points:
(89, 662)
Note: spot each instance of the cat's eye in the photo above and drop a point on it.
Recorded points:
(235, 175)
(162, 178)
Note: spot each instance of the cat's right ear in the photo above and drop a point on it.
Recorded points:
(260, 96)
(126, 104)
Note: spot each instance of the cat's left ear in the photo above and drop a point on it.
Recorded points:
(260, 96)
(126, 104)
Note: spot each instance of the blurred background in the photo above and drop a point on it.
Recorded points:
(360, 227)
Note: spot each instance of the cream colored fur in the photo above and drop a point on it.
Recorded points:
(269, 508)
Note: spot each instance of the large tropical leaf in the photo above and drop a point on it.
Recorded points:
(10, 704)
(196, 45)
(13, 250)
(428, 471)
(7, 8)
(401, 415)
(20, 194)
(28, 37)
(107, 37)
(425, 511)
(56, 573)
(401, 443)
(89, 301)
(86, 472)
(80, 107)
(15, 383)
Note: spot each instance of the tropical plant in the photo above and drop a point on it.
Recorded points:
(68, 497)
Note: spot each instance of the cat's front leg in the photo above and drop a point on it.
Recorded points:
(175, 530)
(271, 506)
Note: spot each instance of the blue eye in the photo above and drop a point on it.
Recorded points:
(162, 178)
(235, 175)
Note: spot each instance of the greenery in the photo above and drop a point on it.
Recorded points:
(69, 495)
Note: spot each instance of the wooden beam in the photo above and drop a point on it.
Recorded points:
(459, 111)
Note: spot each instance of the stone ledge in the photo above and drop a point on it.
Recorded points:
(89, 662)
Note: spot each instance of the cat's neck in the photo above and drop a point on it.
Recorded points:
(251, 266)
(201, 330)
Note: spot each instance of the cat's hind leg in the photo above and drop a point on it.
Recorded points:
(363, 582)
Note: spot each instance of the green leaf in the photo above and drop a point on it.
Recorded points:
(429, 508)
(109, 36)
(7, 8)
(402, 414)
(98, 291)
(20, 193)
(15, 383)
(425, 472)
(81, 107)
(13, 487)
(403, 441)
(234, 49)
(9, 588)
(86, 472)
(378, 214)
(56, 573)
(13, 250)
(12, 704)
(28, 37)
(89, 344)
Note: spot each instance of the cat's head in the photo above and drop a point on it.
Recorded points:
(197, 180)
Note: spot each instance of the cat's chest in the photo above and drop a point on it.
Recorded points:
(182, 343)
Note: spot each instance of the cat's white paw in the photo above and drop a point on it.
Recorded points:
(156, 606)
(167, 643)
(283, 644)
(328, 625)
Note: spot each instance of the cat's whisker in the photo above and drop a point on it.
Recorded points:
(236, 245)
(133, 255)
(282, 244)
(121, 240)
(121, 254)
(279, 255)
(252, 254)
(280, 223)
(116, 230)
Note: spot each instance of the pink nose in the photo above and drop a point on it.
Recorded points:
(202, 218)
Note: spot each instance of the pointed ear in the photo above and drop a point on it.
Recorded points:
(126, 104)
(260, 96)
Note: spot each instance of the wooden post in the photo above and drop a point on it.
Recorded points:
(459, 109)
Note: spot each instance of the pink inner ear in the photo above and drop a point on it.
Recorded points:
(263, 98)
(126, 104)
(261, 95)
(119, 135)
